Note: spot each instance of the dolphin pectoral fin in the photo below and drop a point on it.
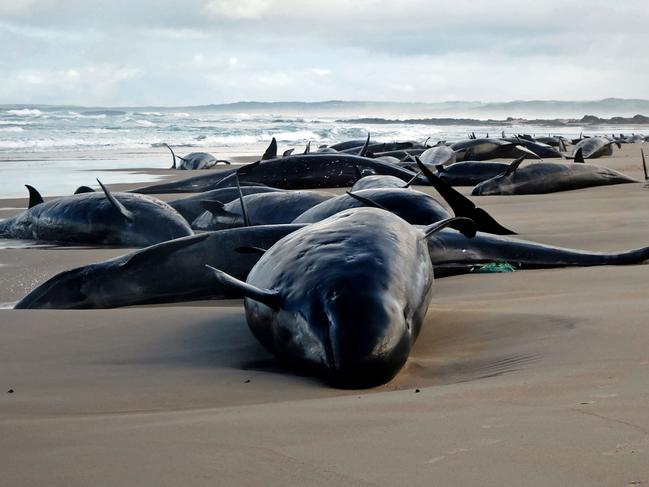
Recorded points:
(287, 153)
(412, 180)
(514, 165)
(527, 151)
(367, 201)
(173, 154)
(83, 189)
(244, 211)
(250, 250)
(224, 161)
(116, 204)
(644, 166)
(35, 197)
(463, 206)
(579, 156)
(364, 149)
(268, 297)
(158, 251)
(466, 226)
(271, 151)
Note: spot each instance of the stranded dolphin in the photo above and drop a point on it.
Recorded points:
(344, 298)
(195, 160)
(102, 218)
(543, 177)
(168, 272)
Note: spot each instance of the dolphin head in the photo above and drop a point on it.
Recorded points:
(366, 336)
(64, 291)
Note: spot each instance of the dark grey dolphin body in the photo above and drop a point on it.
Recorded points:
(381, 147)
(192, 207)
(168, 272)
(369, 182)
(593, 147)
(260, 209)
(413, 206)
(195, 160)
(452, 253)
(484, 149)
(314, 171)
(344, 298)
(542, 177)
(470, 173)
(304, 171)
(100, 218)
(544, 151)
(172, 271)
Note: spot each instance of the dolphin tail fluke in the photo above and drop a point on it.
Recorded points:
(116, 204)
(173, 155)
(463, 206)
(464, 225)
(271, 151)
(268, 297)
(579, 156)
(35, 197)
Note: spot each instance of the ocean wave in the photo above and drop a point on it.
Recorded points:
(11, 129)
(25, 112)
(145, 123)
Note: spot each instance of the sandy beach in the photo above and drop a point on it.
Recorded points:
(533, 378)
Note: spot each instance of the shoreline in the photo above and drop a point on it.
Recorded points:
(521, 375)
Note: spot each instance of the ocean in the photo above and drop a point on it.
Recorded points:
(58, 148)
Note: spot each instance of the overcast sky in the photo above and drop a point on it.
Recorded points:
(168, 52)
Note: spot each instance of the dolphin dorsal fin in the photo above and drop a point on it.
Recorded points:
(116, 204)
(271, 151)
(462, 224)
(367, 144)
(366, 201)
(579, 156)
(287, 153)
(307, 149)
(412, 180)
(514, 165)
(268, 297)
(644, 166)
(173, 154)
(244, 211)
(35, 197)
(83, 189)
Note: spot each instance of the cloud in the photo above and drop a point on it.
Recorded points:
(205, 51)
(238, 9)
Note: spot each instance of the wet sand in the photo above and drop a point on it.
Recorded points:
(530, 378)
